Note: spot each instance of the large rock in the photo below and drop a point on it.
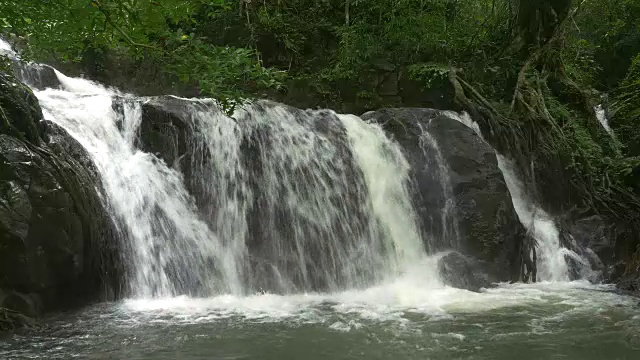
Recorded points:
(448, 157)
(37, 76)
(170, 131)
(464, 272)
(611, 248)
(58, 246)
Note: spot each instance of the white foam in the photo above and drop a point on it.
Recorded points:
(602, 118)
(345, 327)
(456, 336)
(83, 86)
(398, 302)
(7, 50)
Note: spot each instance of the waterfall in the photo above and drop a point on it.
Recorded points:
(601, 115)
(6, 50)
(169, 249)
(551, 256)
(449, 230)
(386, 173)
(277, 199)
(552, 265)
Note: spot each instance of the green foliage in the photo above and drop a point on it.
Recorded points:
(313, 38)
(611, 27)
(626, 105)
(160, 31)
(580, 63)
(428, 73)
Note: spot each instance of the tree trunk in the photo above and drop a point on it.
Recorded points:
(346, 12)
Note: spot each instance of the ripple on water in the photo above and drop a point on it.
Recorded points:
(388, 321)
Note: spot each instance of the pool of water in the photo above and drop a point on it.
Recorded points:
(390, 321)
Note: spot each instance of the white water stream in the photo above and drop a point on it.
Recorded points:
(437, 165)
(601, 115)
(551, 256)
(333, 210)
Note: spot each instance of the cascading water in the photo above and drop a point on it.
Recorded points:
(552, 265)
(601, 115)
(170, 249)
(551, 256)
(285, 200)
(449, 233)
(386, 174)
(6, 50)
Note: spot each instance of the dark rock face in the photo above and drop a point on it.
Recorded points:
(464, 272)
(169, 131)
(488, 227)
(38, 76)
(609, 246)
(57, 243)
(625, 267)
(587, 237)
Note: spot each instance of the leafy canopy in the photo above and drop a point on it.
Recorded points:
(153, 30)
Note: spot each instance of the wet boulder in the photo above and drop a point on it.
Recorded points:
(167, 129)
(37, 76)
(464, 272)
(58, 245)
(458, 189)
(608, 247)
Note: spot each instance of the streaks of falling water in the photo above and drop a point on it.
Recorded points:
(169, 249)
(297, 198)
(551, 256)
(601, 115)
(312, 220)
(450, 233)
(285, 200)
(386, 173)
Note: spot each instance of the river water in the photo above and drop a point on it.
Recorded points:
(399, 320)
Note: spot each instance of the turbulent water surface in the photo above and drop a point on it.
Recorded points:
(403, 319)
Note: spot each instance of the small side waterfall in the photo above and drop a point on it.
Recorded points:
(277, 199)
(449, 233)
(551, 256)
(552, 265)
(6, 50)
(601, 115)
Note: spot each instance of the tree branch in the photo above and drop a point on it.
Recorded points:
(539, 52)
(126, 36)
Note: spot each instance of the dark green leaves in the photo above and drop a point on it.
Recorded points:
(159, 30)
